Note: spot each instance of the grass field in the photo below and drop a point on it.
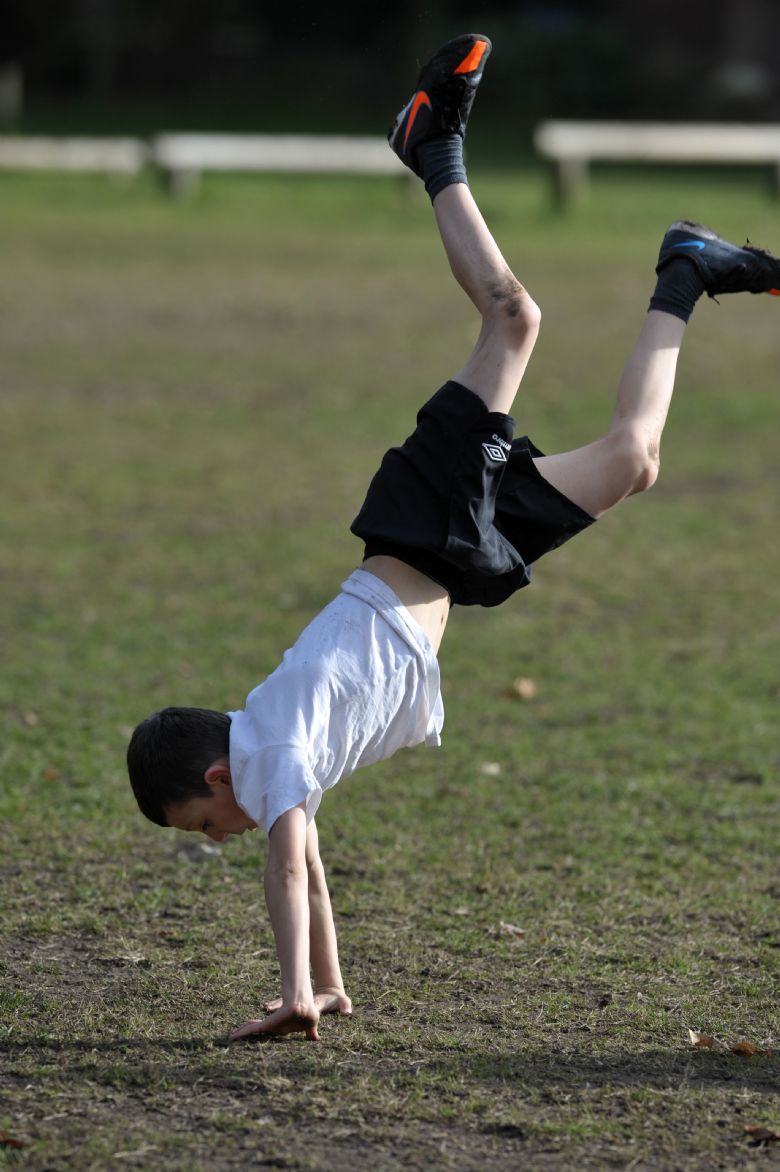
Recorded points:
(193, 398)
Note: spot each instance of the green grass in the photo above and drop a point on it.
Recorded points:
(193, 398)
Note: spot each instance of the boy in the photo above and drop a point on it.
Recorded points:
(455, 515)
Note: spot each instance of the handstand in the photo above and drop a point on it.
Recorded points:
(457, 514)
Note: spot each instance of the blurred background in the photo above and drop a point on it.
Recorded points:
(108, 66)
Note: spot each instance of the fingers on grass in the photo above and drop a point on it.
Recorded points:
(244, 1031)
(333, 1003)
(284, 1021)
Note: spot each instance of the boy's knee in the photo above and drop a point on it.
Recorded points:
(647, 464)
(514, 309)
(651, 467)
(639, 457)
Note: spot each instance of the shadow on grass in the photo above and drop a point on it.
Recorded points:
(657, 1069)
(111, 1045)
(652, 1069)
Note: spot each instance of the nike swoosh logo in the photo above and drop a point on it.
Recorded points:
(472, 59)
(689, 244)
(419, 99)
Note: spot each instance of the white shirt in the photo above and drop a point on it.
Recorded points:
(361, 682)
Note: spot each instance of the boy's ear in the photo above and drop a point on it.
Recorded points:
(218, 773)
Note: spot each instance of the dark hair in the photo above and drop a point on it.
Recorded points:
(169, 753)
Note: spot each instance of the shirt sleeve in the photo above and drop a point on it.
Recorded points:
(275, 780)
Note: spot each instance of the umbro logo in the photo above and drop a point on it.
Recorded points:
(496, 452)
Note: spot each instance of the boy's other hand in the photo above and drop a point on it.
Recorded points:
(327, 1000)
(287, 1019)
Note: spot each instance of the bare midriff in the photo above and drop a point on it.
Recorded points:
(427, 602)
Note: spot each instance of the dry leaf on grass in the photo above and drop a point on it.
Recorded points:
(741, 1049)
(8, 1141)
(522, 689)
(760, 1135)
(511, 930)
(748, 1050)
(704, 1041)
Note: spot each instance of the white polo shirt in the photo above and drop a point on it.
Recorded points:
(361, 682)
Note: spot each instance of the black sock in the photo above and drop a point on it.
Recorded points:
(678, 288)
(441, 163)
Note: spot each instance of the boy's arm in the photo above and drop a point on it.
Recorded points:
(328, 985)
(287, 898)
(329, 995)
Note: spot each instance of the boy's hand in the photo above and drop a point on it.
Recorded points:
(327, 1000)
(291, 1019)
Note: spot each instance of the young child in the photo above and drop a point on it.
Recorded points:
(457, 514)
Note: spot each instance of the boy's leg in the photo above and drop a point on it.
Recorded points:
(510, 317)
(626, 460)
(428, 136)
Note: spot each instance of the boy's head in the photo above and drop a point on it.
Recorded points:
(179, 766)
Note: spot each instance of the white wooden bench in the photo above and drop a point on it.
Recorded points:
(112, 156)
(183, 157)
(571, 146)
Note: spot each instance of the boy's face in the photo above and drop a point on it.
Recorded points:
(217, 815)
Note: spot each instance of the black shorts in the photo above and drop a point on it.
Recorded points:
(462, 502)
